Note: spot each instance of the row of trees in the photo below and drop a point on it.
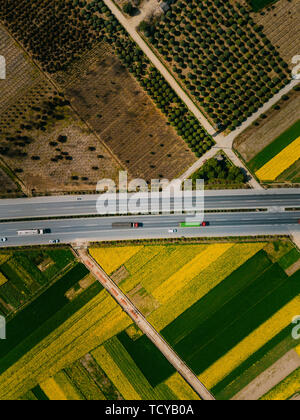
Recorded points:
(221, 55)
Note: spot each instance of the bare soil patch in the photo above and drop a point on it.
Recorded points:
(45, 264)
(42, 140)
(120, 275)
(145, 302)
(277, 121)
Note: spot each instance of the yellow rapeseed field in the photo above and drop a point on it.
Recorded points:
(298, 350)
(53, 390)
(4, 258)
(88, 328)
(180, 388)
(68, 387)
(138, 260)
(3, 279)
(189, 271)
(115, 374)
(286, 158)
(286, 389)
(110, 259)
(250, 344)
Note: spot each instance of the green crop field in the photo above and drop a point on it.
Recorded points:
(113, 371)
(43, 315)
(258, 5)
(190, 291)
(275, 147)
(292, 174)
(158, 369)
(239, 317)
(203, 309)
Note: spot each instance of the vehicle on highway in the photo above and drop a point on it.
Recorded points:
(54, 241)
(3, 240)
(32, 232)
(173, 230)
(126, 225)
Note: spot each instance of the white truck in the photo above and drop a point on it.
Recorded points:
(31, 232)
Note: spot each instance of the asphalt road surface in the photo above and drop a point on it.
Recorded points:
(65, 206)
(100, 228)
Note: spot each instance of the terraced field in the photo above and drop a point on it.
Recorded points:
(188, 292)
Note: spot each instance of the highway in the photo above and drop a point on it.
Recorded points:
(100, 228)
(67, 206)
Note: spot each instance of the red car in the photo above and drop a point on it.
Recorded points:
(137, 225)
(204, 224)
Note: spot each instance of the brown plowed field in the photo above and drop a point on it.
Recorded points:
(119, 111)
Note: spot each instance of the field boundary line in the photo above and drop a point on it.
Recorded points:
(144, 325)
(58, 88)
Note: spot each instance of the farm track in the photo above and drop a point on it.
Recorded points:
(281, 26)
(270, 377)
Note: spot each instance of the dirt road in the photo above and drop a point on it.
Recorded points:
(144, 325)
(270, 378)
